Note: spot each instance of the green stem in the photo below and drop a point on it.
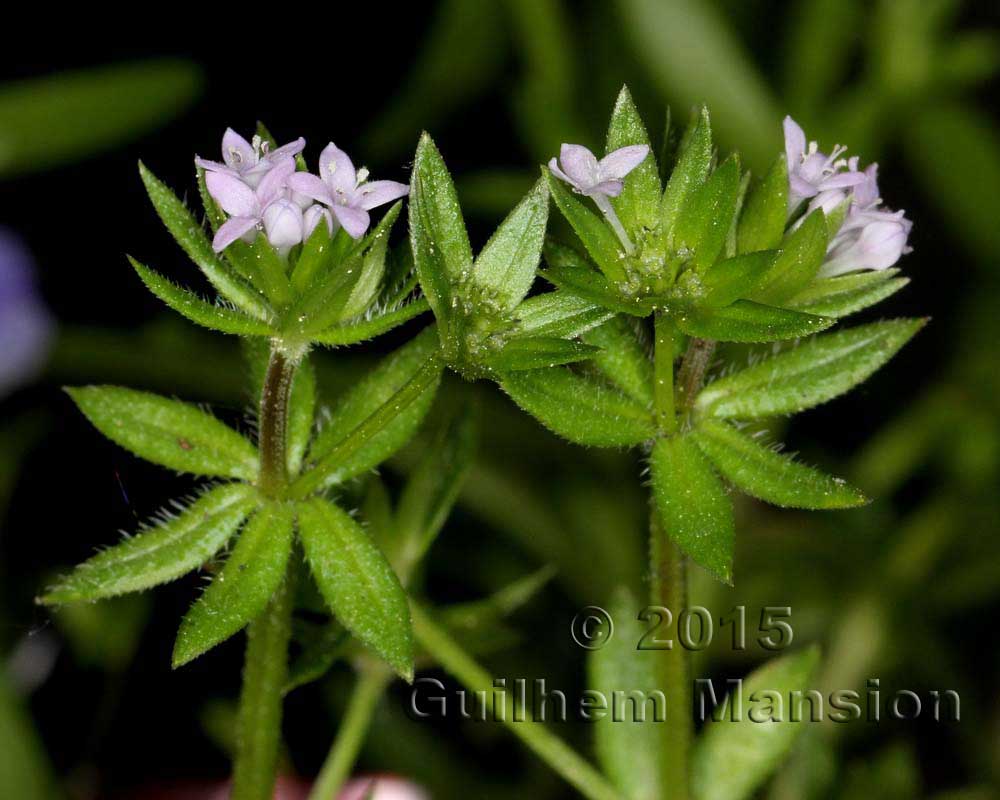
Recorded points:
(314, 478)
(669, 589)
(264, 673)
(372, 680)
(552, 750)
(663, 373)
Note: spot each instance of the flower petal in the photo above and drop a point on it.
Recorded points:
(231, 230)
(308, 184)
(795, 142)
(379, 193)
(290, 149)
(236, 151)
(233, 195)
(274, 182)
(336, 169)
(580, 164)
(212, 166)
(611, 188)
(313, 215)
(354, 220)
(555, 170)
(619, 163)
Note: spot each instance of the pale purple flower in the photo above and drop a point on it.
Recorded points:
(599, 180)
(283, 224)
(345, 190)
(312, 217)
(379, 787)
(249, 161)
(26, 326)
(868, 239)
(812, 173)
(246, 206)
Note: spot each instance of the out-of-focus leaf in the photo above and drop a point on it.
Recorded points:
(168, 432)
(623, 359)
(432, 489)
(579, 409)
(746, 321)
(25, 771)
(630, 747)
(770, 476)
(847, 294)
(201, 312)
(558, 313)
(104, 634)
(365, 398)
(321, 646)
(190, 236)
(694, 58)
(754, 746)
(70, 115)
(600, 241)
(811, 373)
(242, 589)
(762, 222)
(694, 509)
(505, 268)
(162, 553)
(459, 56)
(955, 154)
(638, 205)
(357, 582)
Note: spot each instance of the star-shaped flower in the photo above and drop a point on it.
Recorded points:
(810, 172)
(248, 208)
(249, 161)
(346, 191)
(580, 168)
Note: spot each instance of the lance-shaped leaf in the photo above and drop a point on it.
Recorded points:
(597, 237)
(729, 280)
(707, 215)
(802, 252)
(506, 266)
(535, 352)
(559, 313)
(432, 489)
(623, 359)
(260, 264)
(688, 175)
(590, 285)
(746, 321)
(372, 266)
(441, 250)
(694, 509)
(316, 257)
(172, 547)
(638, 206)
(770, 476)
(812, 373)
(167, 432)
(192, 239)
(243, 588)
(847, 294)
(188, 304)
(363, 330)
(762, 222)
(630, 747)
(754, 731)
(580, 409)
(357, 582)
(365, 398)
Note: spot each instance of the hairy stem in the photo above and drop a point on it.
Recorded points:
(274, 399)
(264, 673)
(372, 680)
(552, 750)
(691, 375)
(669, 589)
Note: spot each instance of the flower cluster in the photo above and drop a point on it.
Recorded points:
(871, 236)
(259, 189)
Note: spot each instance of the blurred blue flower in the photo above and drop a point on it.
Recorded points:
(26, 326)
